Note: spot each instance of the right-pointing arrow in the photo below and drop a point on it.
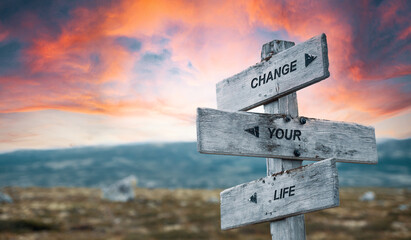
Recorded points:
(309, 59)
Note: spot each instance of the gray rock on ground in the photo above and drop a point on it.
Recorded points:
(4, 198)
(122, 190)
(367, 197)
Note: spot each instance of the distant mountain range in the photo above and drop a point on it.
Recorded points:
(179, 165)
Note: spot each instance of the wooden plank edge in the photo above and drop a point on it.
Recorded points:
(324, 47)
(199, 147)
(371, 162)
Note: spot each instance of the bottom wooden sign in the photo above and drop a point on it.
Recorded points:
(288, 193)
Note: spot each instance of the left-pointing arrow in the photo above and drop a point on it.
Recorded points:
(253, 130)
(253, 198)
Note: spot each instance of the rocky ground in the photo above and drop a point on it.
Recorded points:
(80, 213)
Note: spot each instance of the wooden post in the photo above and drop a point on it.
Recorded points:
(292, 227)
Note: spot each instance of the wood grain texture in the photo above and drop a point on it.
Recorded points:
(288, 228)
(220, 132)
(271, 48)
(236, 93)
(313, 187)
(291, 227)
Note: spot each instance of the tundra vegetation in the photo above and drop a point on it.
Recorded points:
(81, 213)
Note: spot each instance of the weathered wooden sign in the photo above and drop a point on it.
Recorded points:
(306, 189)
(280, 136)
(286, 72)
(284, 196)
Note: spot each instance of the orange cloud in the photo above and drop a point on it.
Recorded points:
(81, 68)
(76, 69)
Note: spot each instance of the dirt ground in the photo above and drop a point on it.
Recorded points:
(80, 213)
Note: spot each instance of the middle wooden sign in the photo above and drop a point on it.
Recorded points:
(280, 136)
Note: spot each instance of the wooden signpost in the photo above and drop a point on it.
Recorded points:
(284, 73)
(279, 136)
(284, 138)
(301, 190)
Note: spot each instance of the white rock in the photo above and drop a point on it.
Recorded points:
(4, 198)
(368, 196)
(213, 200)
(121, 191)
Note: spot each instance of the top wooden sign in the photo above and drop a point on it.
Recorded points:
(286, 72)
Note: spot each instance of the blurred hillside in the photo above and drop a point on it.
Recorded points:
(179, 165)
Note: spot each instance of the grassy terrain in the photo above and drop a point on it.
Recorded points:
(80, 213)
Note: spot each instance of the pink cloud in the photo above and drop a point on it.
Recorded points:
(81, 68)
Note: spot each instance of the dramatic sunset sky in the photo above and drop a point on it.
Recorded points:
(75, 73)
